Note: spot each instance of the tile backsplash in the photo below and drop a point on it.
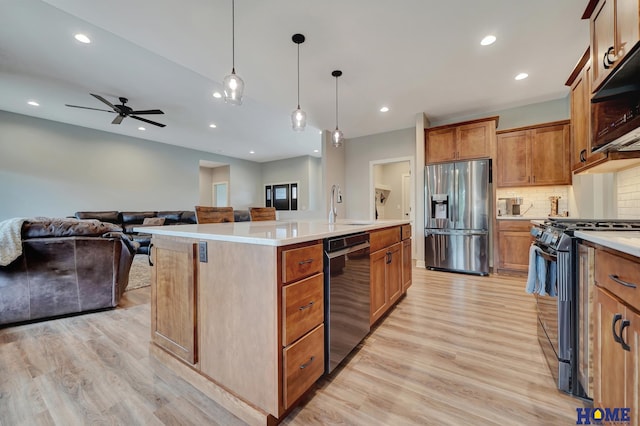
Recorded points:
(536, 203)
(628, 193)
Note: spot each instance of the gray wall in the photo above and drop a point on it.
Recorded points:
(54, 169)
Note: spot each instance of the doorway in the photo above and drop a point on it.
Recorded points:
(391, 190)
(220, 194)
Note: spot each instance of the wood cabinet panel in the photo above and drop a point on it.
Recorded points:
(173, 289)
(407, 265)
(608, 357)
(301, 262)
(513, 240)
(513, 168)
(610, 267)
(303, 365)
(405, 232)
(441, 145)
(379, 299)
(474, 141)
(303, 307)
(461, 141)
(627, 26)
(394, 272)
(633, 366)
(602, 39)
(383, 238)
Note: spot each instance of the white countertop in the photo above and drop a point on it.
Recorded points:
(270, 233)
(624, 241)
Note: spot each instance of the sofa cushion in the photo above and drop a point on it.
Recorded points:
(66, 227)
(135, 217)
(104, 216)
(188, 217)
(153, 221)
(170, 217)
(241, 216)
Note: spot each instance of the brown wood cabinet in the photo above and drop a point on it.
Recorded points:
(534, 155)
(407, 262)
(174, 278)
(616, 331)
(513, 242)
(460, 141)
(386, 270)
(615, 30)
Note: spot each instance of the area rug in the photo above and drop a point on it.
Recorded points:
(140, 274)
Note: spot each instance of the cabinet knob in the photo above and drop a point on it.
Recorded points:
(607, 62)
(583, 157)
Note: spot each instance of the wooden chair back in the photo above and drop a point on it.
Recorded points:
(205, 214)
(262, 213)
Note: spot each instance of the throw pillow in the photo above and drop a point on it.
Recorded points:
(153, 221)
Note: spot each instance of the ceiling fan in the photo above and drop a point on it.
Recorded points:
(123, 111)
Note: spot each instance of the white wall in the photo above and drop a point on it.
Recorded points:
(54, 169)
(628, 193)
(333, 173)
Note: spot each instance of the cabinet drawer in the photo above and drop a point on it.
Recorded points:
(303, 304)
(608, 265)
(384, 238)
(514, 225)
(405, 231)
(301, 262)
(303, 365)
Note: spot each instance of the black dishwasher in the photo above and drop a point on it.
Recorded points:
(346, 295)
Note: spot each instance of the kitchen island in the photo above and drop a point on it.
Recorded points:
(237, 309)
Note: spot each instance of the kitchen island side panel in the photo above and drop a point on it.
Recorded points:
(238, 321)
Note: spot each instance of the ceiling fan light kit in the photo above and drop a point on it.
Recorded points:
(337, 136)
(233, 84)
(298, 117)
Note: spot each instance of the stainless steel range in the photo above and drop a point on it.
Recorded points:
(564, 310)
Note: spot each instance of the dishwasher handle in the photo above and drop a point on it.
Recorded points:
(347, 250)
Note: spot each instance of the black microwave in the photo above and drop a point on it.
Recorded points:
(615, 109)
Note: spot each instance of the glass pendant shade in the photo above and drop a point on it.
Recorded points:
(233, 88)
(298, 119)
(337, 138)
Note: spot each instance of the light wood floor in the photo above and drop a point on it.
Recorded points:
(458, 350)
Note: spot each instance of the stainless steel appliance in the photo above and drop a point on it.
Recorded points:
(347, 295)
(563, 320)
(457, 215)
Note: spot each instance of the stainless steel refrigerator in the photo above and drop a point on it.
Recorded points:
(457, 216)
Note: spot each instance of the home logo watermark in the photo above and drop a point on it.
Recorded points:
(595, 416)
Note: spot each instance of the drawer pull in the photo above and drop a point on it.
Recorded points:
(303, 262)
(306, 364)
(615, 319)
(307, 306)
(621, 282)
(625, 346)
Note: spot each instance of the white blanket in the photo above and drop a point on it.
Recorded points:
(10, 240)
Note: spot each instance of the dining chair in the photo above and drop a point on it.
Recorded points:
(206, 214)
(262, 213)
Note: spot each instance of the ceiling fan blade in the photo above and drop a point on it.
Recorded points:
(118, 119)
(148, 121)
(100, 98)
(147, 111)
(84, 107)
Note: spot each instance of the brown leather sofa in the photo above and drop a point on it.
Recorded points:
(67, 266)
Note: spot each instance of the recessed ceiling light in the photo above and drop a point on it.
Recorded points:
(316, 150)
(384, 109)
(141, 128)
(33, 103)
(82, 38)
(490, 39)
(320, 132)
(213, 126)
(521, 76)
(217, 95)
(252, 152)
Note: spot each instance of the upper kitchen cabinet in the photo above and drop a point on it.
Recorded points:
(580, 83)
(615, 30)
(461, 141)
(534, 155)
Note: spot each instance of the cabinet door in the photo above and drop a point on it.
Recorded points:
(394, 272)
(378, 288)
(609, 369)
(406, 265)
(627, 26)
(581, 117)
(550, 163)
(173, 290)
(512, 159)
(441, 145)
(473, 141)
(602, 40)
(632, 338)
(514, 250)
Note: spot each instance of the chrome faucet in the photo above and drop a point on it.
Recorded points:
(333, 212)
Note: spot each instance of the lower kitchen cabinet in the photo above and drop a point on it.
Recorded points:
(513, 242)
(173, 293)
(386, 271)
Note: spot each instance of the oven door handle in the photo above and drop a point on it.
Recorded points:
(547, 256)
(614, 321)
(621, 282)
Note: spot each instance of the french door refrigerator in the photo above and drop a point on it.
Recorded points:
(457, 216)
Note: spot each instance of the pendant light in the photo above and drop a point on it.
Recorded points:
(233, 85)
(298, 117)
(337, 135)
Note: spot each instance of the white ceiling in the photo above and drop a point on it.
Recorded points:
(410, 55)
